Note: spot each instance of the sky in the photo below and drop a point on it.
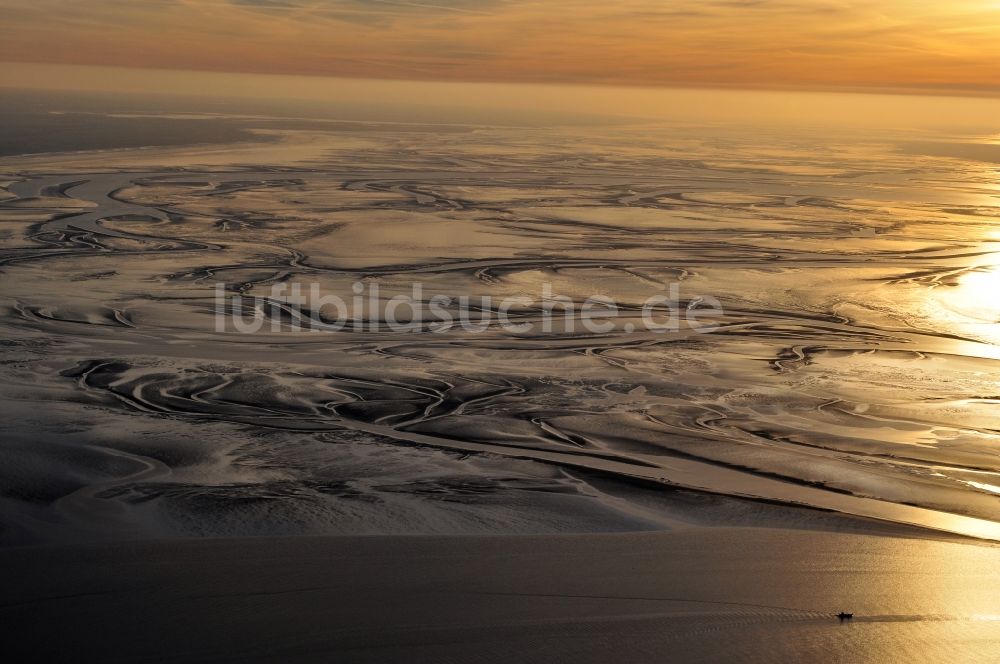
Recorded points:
(891, 45)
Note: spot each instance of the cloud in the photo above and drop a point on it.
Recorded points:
(781, 43)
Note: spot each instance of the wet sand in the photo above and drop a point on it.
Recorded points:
(850, 369)
(175, 491)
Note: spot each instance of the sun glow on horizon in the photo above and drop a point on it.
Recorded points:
(815, 44)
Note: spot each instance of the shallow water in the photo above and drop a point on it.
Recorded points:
(852, 367)
(711, 595)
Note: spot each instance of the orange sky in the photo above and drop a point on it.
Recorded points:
(889, 44)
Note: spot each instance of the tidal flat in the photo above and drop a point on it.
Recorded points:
(842, 397)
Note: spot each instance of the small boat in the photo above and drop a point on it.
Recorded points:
(845, 616)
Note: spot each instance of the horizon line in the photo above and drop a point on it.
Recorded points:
(918, 91)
